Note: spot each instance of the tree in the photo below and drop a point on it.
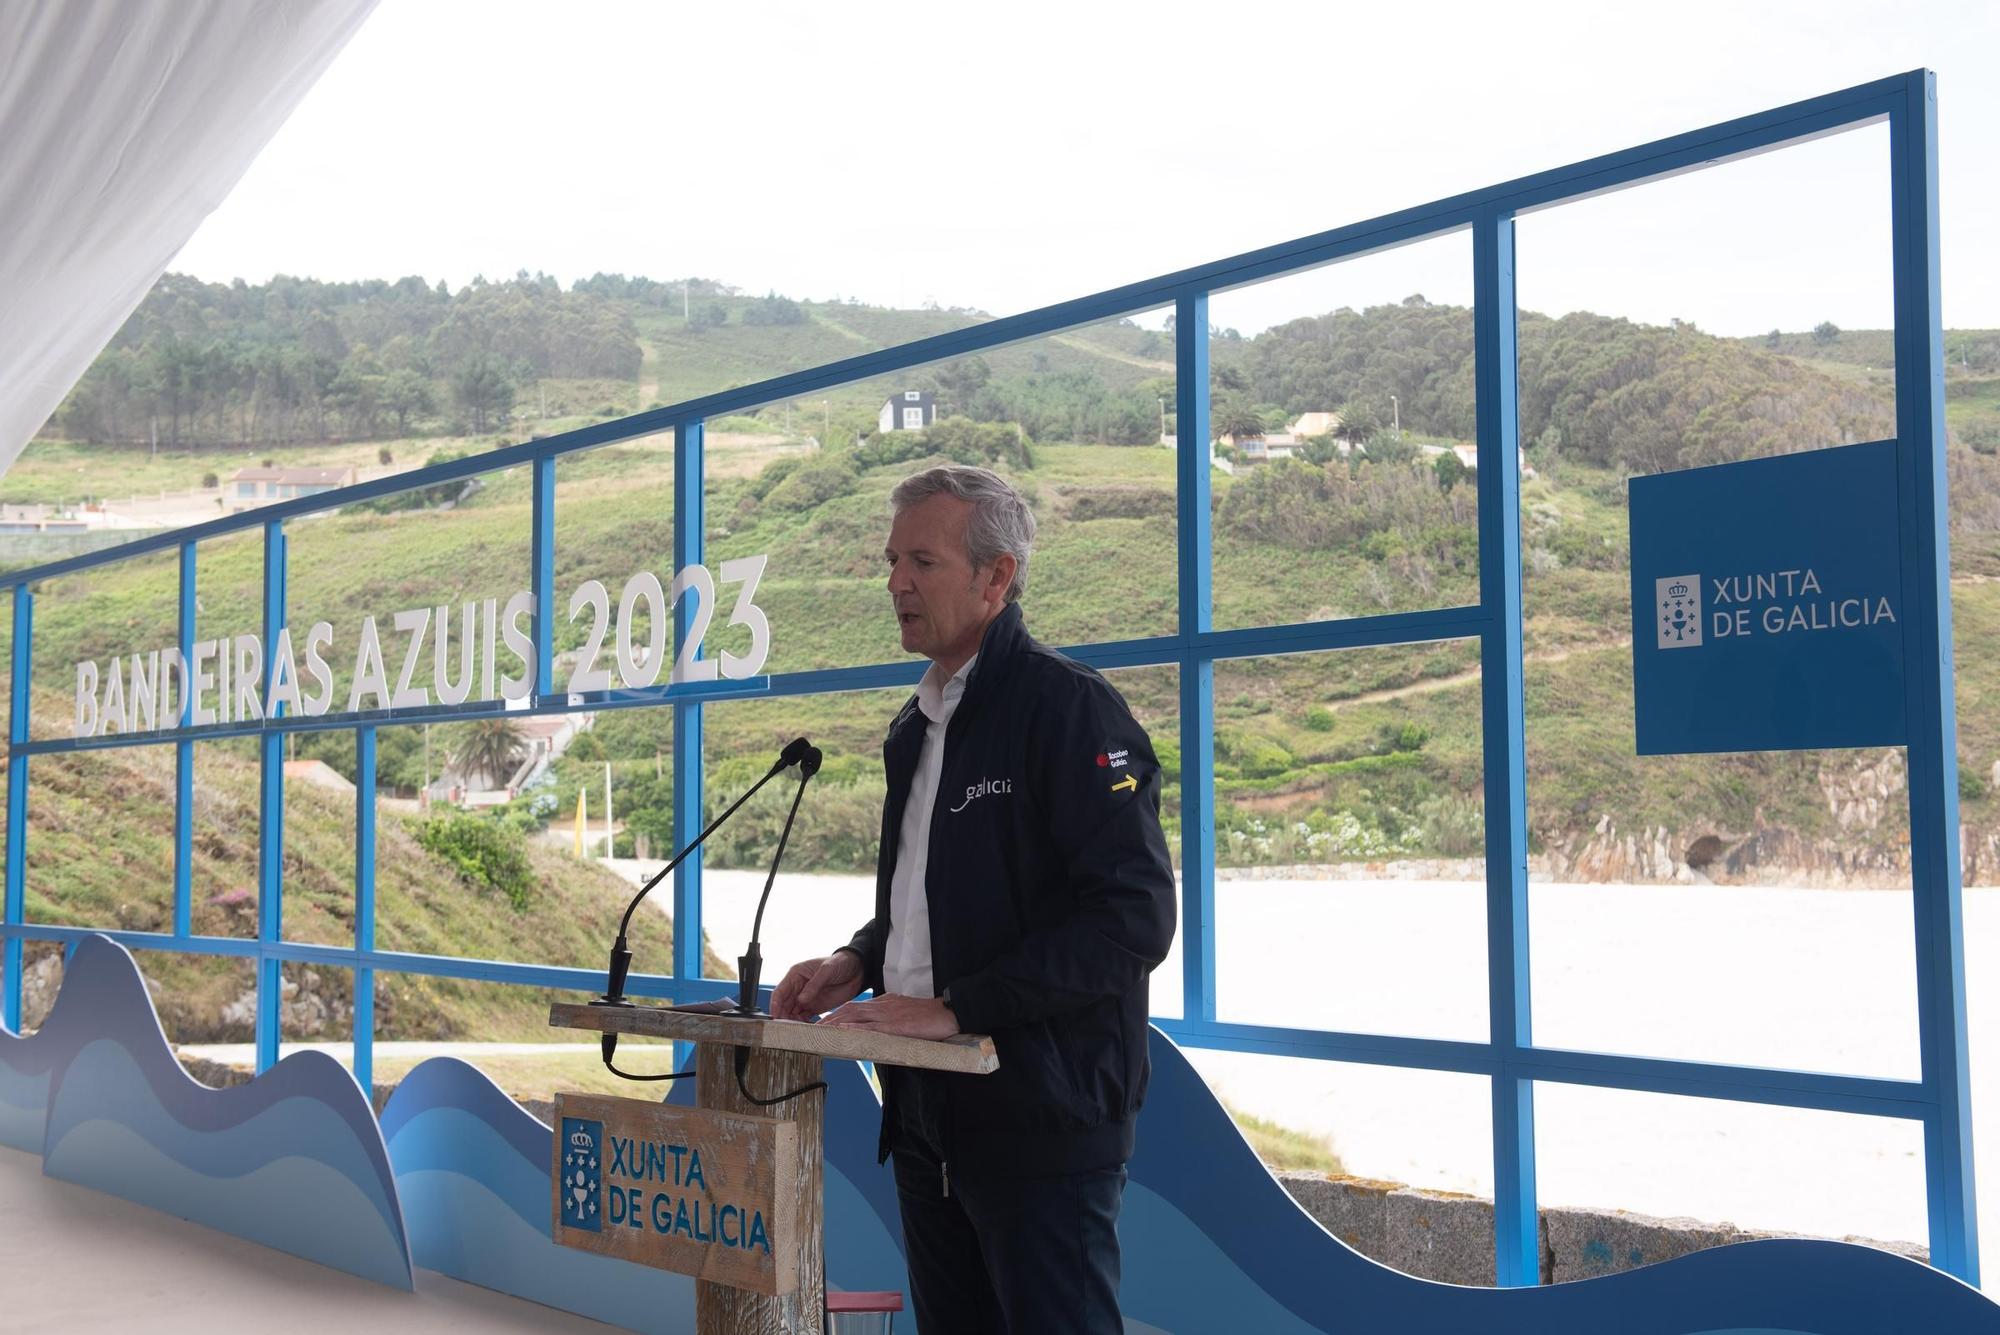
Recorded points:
(774, 310)
(483, 391)
(1451, 470)
(407, 395)
(1825, 332)
(491, 748)
(1774, 338)
(1358, 423)
(713, 315)
(1236, 419)
(958, 381)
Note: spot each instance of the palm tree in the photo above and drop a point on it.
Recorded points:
(491, 748)
(1235, 419)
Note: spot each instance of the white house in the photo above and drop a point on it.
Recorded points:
(1315, 424)
(250, 487)
(912, 410)
(1264, 448)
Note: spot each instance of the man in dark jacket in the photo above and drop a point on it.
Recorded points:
(1023, 890)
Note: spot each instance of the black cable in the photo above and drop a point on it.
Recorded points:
(608, 1044)
(666, 1075)
(743, 1087)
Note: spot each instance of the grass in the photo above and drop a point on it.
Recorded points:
(1282, 1148)
(99, 854)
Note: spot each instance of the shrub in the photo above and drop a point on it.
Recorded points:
(385, 456)
(1121, 503)
(1319, 719)
(1409, 737)
(483, 853)
(1451, 826)
(210, 481)
(1255, 755)
(813, 484)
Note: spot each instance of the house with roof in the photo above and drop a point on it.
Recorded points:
(252, 487)
(1313, 424)
(1266, 447)
(911, 410)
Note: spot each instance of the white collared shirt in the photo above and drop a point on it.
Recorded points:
(906, 962)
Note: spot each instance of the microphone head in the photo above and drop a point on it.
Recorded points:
(810, 763)
(795, 751)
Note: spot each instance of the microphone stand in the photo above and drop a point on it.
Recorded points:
(750, 964)
(621, 955)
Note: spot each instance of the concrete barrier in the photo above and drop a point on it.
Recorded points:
(1448, 1236)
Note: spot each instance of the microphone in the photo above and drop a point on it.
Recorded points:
(797, 752)
(750, 964)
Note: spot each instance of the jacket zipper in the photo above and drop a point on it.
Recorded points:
(944, 1172)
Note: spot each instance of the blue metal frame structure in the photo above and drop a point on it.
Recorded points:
(1509, 1059)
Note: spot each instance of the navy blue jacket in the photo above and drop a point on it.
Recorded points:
(1051, 897)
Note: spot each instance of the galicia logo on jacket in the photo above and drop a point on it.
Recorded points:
(975, 791)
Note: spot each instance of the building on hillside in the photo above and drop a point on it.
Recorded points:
(912, 410)
(1469, 456)
(1313, 424)
(251, 487)
(1264, 448)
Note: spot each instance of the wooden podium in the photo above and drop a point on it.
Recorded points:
(778, 1150)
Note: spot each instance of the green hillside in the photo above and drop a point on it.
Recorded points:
(100, 854)
(1360, 755)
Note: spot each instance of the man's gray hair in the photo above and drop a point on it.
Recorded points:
(1000, 522)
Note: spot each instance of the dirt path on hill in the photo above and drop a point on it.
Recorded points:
(841, 329)
(1111, 354)
(1433, 684)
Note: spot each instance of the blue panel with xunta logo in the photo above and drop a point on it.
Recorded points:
(1767, 604)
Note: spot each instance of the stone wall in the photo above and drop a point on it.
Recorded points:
(1448, 1236)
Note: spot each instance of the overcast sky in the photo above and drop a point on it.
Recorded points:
(1006, 157)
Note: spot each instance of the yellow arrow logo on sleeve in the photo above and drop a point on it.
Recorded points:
(1127, 784)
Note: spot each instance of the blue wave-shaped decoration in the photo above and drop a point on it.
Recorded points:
(1212, 1243)
(293, 1160)
(473, 1168)
(27, 1064)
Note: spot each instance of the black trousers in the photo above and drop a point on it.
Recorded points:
(1003, 1255)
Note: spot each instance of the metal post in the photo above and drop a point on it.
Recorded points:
(1930, 707)
(1197, 669)
(364, 907)
(542, 575)
(184, 756)
(271, 818)
(20, 706)
(1517, 1250)
(688, 550)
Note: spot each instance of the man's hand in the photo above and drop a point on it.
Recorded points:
(813, 987)
(912, 1017)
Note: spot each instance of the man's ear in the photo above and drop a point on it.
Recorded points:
(1001, 576)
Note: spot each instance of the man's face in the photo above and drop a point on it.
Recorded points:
(942, 603)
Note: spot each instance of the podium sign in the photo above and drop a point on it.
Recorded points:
(692, 1190)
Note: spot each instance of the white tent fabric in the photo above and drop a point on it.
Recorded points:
(123, 123)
